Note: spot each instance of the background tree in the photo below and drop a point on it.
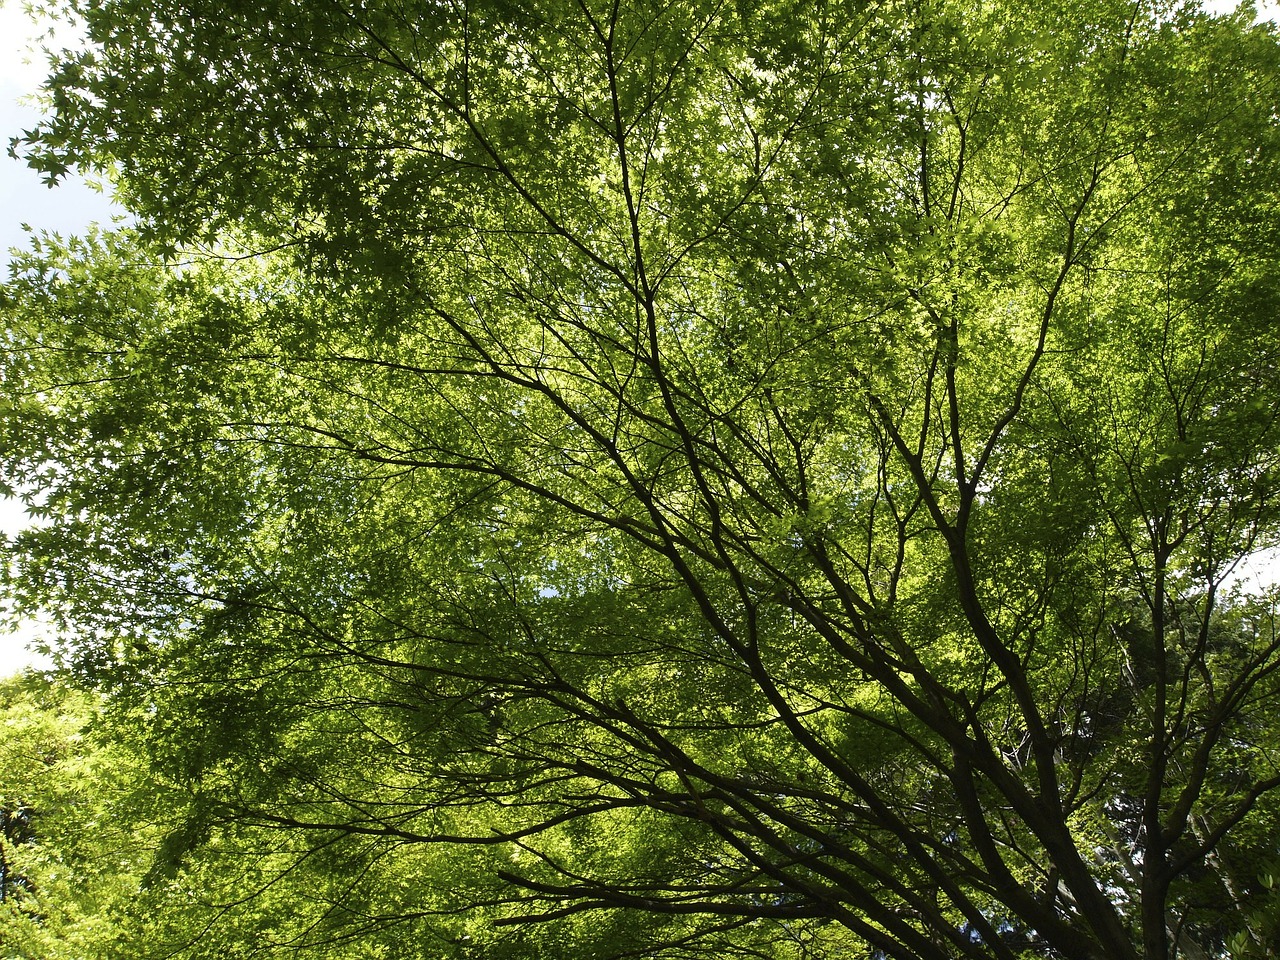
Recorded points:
(746, 479)
(70, 855)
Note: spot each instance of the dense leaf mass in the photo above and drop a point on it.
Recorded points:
(692, 479)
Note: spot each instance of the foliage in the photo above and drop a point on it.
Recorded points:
(756, 479)
(67, 859)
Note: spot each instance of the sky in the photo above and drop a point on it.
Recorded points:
(72, 206)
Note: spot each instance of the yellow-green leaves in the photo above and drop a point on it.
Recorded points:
(565, 478)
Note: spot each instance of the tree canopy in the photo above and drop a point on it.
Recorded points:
(671, 479)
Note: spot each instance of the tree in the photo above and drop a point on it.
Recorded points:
(681, 480)
(69, 855)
